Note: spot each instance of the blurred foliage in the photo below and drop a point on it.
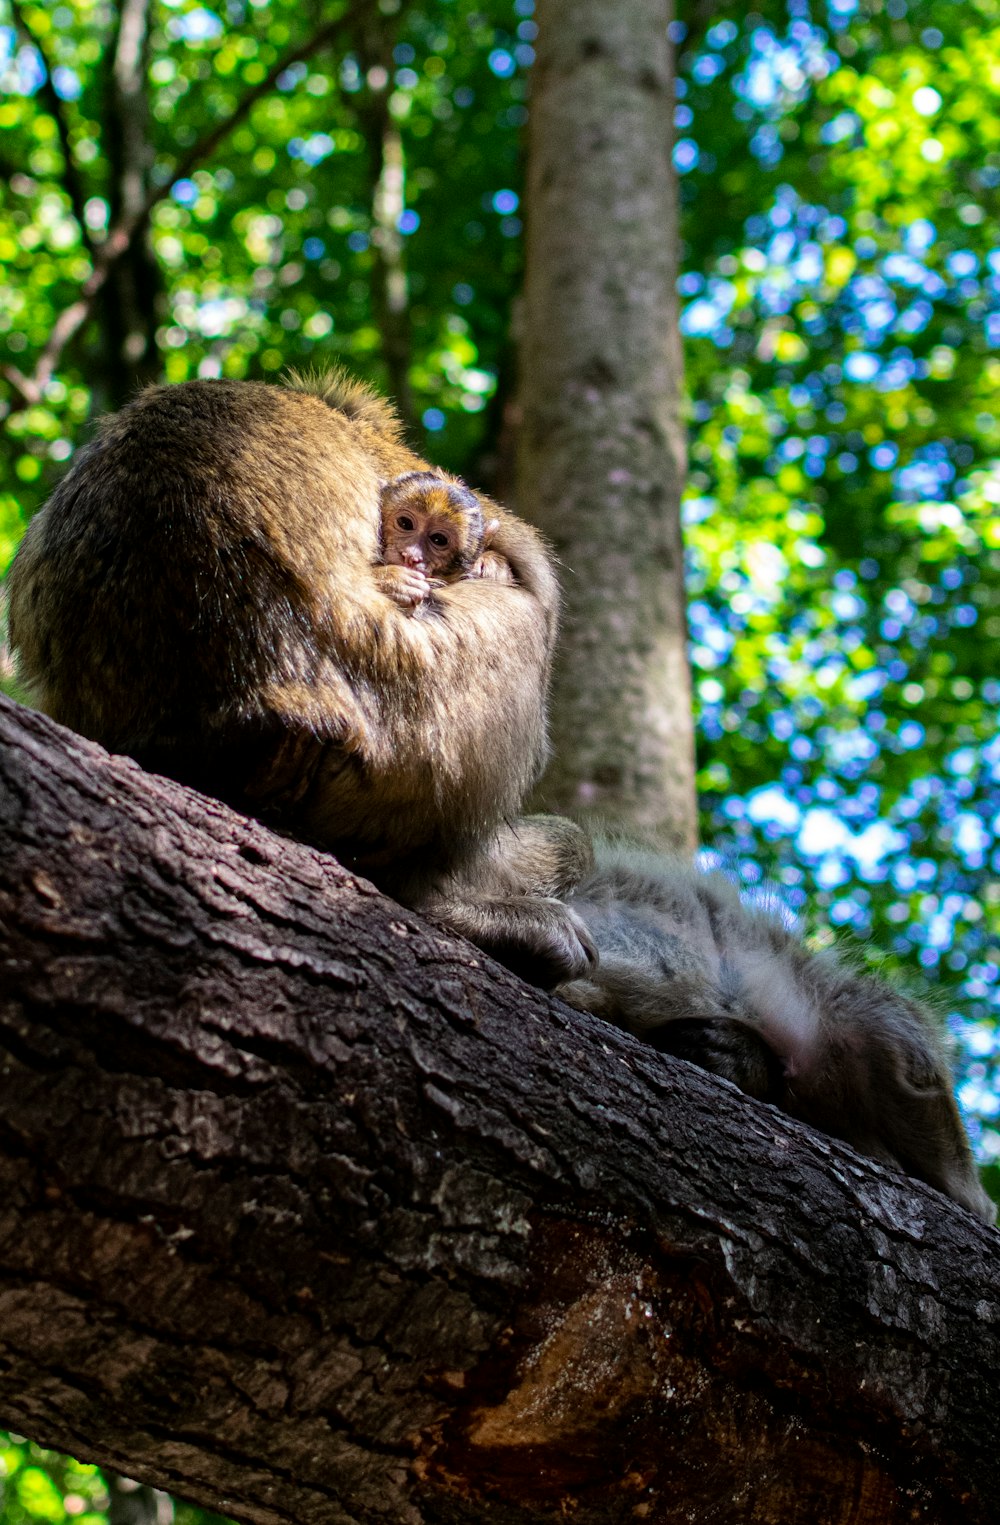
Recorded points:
(839, 167)
(40, 1487)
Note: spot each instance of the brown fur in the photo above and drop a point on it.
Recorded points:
(199, 593)
(687, 966)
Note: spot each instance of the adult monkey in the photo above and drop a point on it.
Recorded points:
(199, 593)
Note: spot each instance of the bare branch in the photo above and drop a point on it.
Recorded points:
(26, 388)
(309, 1212)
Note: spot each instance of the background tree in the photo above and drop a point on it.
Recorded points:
(601, 440)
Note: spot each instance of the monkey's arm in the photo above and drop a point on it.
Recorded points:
(548, 853)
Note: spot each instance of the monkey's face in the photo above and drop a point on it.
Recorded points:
(424, 541)
(430, 525)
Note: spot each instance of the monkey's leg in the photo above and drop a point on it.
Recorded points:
(723, 1047)
(881, 1081)
(542, 855)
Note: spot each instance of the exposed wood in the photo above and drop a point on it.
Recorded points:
(308, 1212)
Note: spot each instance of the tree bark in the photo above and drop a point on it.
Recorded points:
(602, 444)
(311, 1213)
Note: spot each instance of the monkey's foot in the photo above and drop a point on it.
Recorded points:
(540, 939)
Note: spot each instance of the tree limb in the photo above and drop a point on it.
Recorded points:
(311, 1213)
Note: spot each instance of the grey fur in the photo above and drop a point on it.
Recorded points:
(685, 965)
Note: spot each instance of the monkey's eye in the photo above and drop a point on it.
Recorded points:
(438, 538)
(404, 522)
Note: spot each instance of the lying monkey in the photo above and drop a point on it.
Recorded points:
(685, 965)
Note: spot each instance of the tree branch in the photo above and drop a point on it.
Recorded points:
(120, 237)
(310, 1212)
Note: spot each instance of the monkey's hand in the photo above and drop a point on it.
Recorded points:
(542, 940)
(493, 566)
(404, 585)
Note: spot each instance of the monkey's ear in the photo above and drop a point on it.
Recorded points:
(339, 390)
(489, 530)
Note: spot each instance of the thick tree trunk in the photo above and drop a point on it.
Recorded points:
(602, 444)
(310, 1213)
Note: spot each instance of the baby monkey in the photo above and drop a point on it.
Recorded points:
(433, 532)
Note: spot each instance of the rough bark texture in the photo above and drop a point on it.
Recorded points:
(602, 445)
(310, 1213)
